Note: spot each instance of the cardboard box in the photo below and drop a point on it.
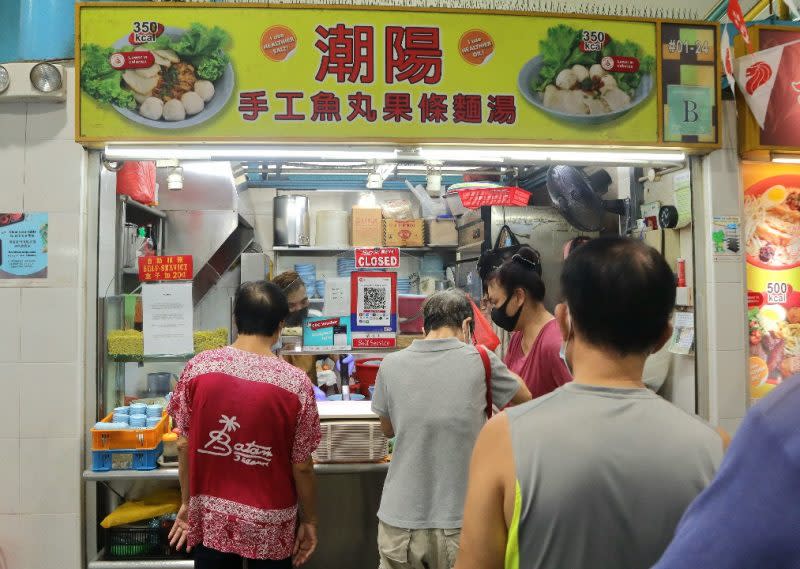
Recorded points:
(406, 233)
(441, 232)
(367, 226)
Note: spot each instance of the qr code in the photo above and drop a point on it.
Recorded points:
(374, 298)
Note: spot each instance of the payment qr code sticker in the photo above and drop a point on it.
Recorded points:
(374, 296)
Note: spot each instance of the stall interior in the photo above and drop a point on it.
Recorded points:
(255, 219)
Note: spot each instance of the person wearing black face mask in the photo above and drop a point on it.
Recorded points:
(516, 292)
(295, 290)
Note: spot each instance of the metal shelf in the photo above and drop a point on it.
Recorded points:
(124, 358)
(327, 351)
(320, 250)
(172, 473)
(166, 563)
(154, 211)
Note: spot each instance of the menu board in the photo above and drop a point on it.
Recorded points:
(199, 73)
(772, 245)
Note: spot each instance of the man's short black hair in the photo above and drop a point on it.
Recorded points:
(259, 308)
(620, 293)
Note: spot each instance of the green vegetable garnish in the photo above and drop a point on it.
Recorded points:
(100, 80)
(561, 50)
(204, 48)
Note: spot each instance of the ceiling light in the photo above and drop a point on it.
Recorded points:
(5, 80)
(555, 155)
(786, 158)
(254, 152)
(45, 77)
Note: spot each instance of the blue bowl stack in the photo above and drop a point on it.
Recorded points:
(403, 286)
(321, 288)
(308, 272)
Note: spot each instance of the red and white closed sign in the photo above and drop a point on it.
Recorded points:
(378, 258)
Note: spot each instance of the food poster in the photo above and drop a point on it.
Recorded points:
(150, 72)
(23, 245)
(772, 248)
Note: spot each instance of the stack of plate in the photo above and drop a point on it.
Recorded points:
(308, 272)
(344, 266)
(321, 288)
(403, 286)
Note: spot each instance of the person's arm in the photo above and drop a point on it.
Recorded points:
(387, 427)
(490, 499)
(180, 529)
(726, 438)
(507, 387)
(306, 484)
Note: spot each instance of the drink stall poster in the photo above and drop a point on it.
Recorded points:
(152, 72)
(772, 245)
(23, 245)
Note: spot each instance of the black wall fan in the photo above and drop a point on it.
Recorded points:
(579, 197)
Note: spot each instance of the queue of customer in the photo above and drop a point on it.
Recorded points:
(596, 473)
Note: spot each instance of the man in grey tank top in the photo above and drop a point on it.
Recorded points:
(598, 473)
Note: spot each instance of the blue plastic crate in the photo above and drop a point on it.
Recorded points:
(130, 459)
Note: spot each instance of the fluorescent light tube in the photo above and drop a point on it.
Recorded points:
(554, 155)
(786, 159)
(208, 152)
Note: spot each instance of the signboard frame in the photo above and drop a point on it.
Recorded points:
(658, 142)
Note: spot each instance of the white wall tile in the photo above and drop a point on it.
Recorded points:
(10, 329)
(731, 425)
(51, 399)
(727, 272)
(729, 322)
(13, 117)
(53, 176)
(53, 121)
(12, 165)
(41, 542)
(731, 383)
(10, 390)
(63, 248)
(9, 477)
(264, 231)
(50, 481)
(50, 325)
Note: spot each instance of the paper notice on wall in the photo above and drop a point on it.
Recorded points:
(337, 296)
(683, 335)
(168, 323)
(23, 245)
(682, 196)
(726, 237)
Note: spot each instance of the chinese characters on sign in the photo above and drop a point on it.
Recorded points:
(23, 245)
(172, 268)
(413, 56)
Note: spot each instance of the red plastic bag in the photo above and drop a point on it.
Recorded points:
(137, 180)
(483, 333)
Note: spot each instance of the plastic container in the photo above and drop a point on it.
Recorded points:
(170, 441)
(126, 459)
(367, 373)
(410, 313)
(129, 438)
(137, 541)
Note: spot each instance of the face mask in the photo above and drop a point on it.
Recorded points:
(502, 319)
(295, 319)
(563, 351)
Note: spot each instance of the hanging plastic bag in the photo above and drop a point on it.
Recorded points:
(483, 333)
(137, 180)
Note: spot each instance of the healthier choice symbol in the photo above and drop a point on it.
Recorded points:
(757, 74)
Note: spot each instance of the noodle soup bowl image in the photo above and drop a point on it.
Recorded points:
(772, 223)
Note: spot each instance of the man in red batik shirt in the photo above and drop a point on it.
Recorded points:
(248, 423)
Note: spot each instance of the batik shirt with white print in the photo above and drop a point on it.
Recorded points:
(247, 418)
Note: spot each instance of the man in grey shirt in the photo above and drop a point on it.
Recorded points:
(433, 396)
(597, 474)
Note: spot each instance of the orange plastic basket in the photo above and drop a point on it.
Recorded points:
(129, 438)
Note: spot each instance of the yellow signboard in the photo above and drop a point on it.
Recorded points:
(189, 73)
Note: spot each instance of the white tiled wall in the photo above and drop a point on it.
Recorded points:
(41, 343)
(725, 288)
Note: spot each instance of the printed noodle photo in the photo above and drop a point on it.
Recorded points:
(772, 226)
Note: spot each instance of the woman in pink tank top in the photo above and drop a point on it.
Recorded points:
(516, 292)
